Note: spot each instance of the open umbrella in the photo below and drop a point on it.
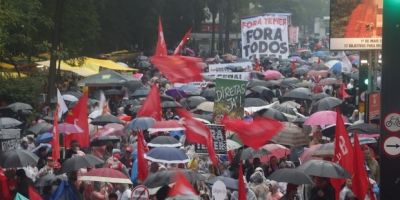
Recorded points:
(106, 119)
(209, 94)
(165, 126)
(166, 155)
(69, 128)
(276, 150)
(113, 92)
(299, 93)
(323, 168)
(44, 137)
(141, 92)
(318, 96)
(17, 106)
(107, 175)
(70, 97)
(250, 153)
(230, 183)
(263, 92)
(321, 118)
(329, 130)
(329, 81)
(272, 75)
(164, 141)
(193, 101)
(177, 93)
(141, 123)
(289, 81)
(268, 84)
(17, 158)
(289, 175)
(190, 89)
(40, 128)
(112, 129)
(162, 178)
(364, 128)
(254, 102)
(7, 122)
(315, 73)
(49, 179)
(206, 106)
(104, 140)
(327, 103)
(272, 113)
(291, 135)
(170, 104)
(78, 162)
(324, 150)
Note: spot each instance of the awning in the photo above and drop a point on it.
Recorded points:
(12, 74)
(6, 65)
(81, 71)
(109, 64)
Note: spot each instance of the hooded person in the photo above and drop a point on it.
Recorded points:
(114, 162)
(258, 184)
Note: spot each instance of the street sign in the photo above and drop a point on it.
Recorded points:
(140, 192)
(392, 122)
(391, 146)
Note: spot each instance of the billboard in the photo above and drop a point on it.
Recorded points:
(356, 25)
(265, 35)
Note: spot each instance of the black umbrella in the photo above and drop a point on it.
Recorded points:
(134, 102)
(18, 158)
(106, 119)
(268, 84)
(284, 108)
(164, 141)
(230, 183)
(167, 155)
(19, 106)
(49, 179)
(170, 104)
(250, 153)
(327, 103)
(301, 71)
(141, 123)
(254, 102)
(290, 81)
(272, 113)
(103, 140)
(289, 175)
(162, 178)
(299, 93)
(166, 98)
(209, 94)
(40, 128)
(203, 116)
(141, 92)
(318, 96)
(144, 64)
(106, 78)
(113, 92)
(7, 122)
(364, 128)
(323, 168)
(193, 101)
(263, 92)
(78, 162)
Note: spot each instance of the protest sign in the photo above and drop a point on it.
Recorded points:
(230, 67)
(229, 98)
(219, 138)
(9, 139)
(265, 35)
(228, 75)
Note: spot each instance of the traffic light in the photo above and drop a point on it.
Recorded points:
(363, 79)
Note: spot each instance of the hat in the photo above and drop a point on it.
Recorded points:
(116, 151)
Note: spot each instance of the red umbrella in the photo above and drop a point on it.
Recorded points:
(322, 118)
(105, 175)
(165, 126)
(276, 150)
(69, 128)
(272, 75)
(308, 153)
(111, 129)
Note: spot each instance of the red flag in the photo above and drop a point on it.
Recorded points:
(152, 105)
(255, 133)
(360, 181)
(33, 194)
(343, 152)
(142, 162)
(197, 132)
(182, 187)
(79, 116)
(161, 49)
(179, 69)
(55, 144)
(342, 92)
(242, 188)
(184, 40)
(4, 189)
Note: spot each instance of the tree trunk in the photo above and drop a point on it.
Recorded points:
(228, 23)
(53, 51)
(213, 9)
(221, 26)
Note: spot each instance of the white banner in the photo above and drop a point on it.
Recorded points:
(227, 67)
(265, 35)
(229, 75)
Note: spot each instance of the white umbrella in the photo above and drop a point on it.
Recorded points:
(69, 97)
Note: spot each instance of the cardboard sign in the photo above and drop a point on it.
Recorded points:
(219, 138)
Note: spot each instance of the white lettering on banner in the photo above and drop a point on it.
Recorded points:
(355, 43)
(342, 145)
(265, 35)
(225, 67)
(229, 75)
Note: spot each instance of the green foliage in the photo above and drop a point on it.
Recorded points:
(25, 89)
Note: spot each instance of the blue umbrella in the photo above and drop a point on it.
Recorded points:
(44, 137)
(167, 155)
(321, 53)
(337, 68)
(141, 123)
